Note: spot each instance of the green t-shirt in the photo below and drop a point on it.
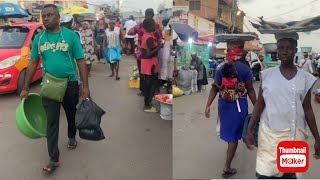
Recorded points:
(59, 52)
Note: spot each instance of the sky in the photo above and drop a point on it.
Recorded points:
(135, 5)
(276, 10)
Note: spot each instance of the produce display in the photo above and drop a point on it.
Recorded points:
(164, 99)
(135, 73)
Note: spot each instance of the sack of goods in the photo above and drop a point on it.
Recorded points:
(176, 92)
(194, 81)
(185, 81)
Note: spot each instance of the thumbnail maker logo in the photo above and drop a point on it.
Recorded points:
(293, 156)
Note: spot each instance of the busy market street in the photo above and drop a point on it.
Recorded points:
(159, 89)
(137, 145)
(199, 153)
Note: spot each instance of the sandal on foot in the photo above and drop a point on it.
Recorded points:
(51, 167)
(151, 110)
(229, 173)
(117, 78)
(72, 144)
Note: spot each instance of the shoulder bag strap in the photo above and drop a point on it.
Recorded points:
(39, 52)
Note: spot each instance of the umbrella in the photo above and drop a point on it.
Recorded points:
(10, 10)
(184, 31)
(77, 10)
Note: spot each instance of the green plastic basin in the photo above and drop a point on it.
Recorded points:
(31, 119)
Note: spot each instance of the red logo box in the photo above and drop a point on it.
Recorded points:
(293, 156)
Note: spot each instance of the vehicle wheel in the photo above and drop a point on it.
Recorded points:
(21, 81)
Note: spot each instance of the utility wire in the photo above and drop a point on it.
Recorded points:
(292, 10)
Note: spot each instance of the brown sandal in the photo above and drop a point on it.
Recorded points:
(72, 144)
(229, 173)
(51, 167)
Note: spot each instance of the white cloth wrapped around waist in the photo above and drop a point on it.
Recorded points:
(266, 163)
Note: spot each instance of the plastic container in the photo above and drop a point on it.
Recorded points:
(166, 109)
(134, 84)
(31, 118)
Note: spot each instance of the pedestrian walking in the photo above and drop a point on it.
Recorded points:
(89, 44)
(129, 38)
(149, 62)
(100, 31)
(232, 112)
(112, 45)
(306, 64)
(284, 111)
(166, 62)
(61, 52)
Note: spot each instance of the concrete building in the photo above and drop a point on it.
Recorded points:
(224, 13)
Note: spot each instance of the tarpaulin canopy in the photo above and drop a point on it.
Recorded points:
(10, 10)
(184, 31)
(207, 37)
(77, 10)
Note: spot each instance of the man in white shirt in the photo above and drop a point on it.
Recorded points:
(129, 39)
(306, 63)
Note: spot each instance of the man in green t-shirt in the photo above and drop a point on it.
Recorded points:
(61, 53)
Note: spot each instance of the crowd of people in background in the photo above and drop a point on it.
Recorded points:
(258, 61)
(107, 40)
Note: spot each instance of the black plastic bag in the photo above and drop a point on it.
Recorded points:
(88, 115)
(95, 134)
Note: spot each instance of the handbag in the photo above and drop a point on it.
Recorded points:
(255, 130)
(54, 88)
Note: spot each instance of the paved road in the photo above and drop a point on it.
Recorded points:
(138, 146)
(197, 151)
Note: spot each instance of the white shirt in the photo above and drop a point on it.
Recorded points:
(284, 98)
(306, 65)
(129, 25)
(113, 37)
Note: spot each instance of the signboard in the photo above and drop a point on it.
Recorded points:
(36, 8)
(203, 26)
(180, 14)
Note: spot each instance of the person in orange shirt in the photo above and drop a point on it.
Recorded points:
(118, 24)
